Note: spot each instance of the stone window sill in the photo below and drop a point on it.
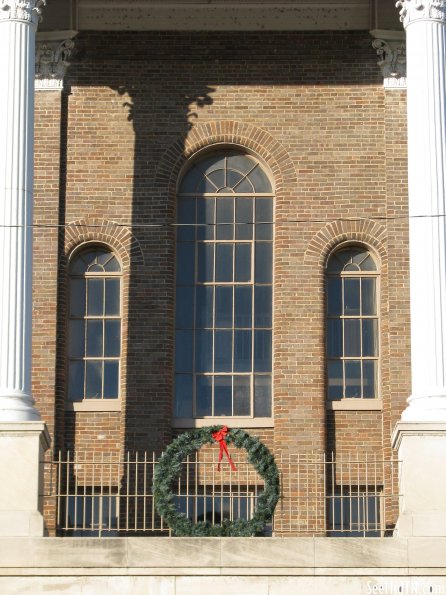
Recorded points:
(355, 405)
(232, 422)
(94, 405)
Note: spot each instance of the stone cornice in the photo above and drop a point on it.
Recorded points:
(28, 11)
(421, 10)
(53, 52)
(392, 61)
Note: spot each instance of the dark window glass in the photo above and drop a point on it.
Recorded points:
(224, 289)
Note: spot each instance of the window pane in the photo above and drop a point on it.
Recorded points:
(263, 262)
(262, 396)
(334, 296)
(183, 351)
(242, 263)
(204, 307)
(94, 338)
(264, 214)
(263, 306)
(351, 297)
(78, 266)
(185, 264)
(369, 337)
(203, 351)
(112, 291)
(93, 388)
(352, 378)
(184, 315)
(111, 380)
(205, 218)
(183, 396)
(334, 264)
(76, 381)
(368, 297)
(76, 345)
(334, 337)
(205, 263)
(77, 297)
(242, 163)
(203, 396)
(215, 180)
(225, 216)
(223, 307)
(186, 219)
(243, 307)
(95, 298)
(369, 371)
(243, 351)
(223, 395)
(112, 265)
(223, 351)
(262, 351)
(224, 262)
(191, 180)
(352, 337)
(242, 395)
(244, 216)
(335, 380)
(233, 178)
(260, 180)
(368, 264)
(112, 338)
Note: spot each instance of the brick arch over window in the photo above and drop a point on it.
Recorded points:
(118, 238)
(228, 132)
(369, 233)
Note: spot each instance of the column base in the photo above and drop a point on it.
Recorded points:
(22, 447)
(422, 479)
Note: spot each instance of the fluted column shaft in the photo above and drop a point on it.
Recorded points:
(426, 61)
(18, 24)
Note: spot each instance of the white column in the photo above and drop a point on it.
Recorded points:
(18, 24)
(425, 23)
(420, 436)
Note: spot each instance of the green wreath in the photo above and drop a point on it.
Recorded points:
(169, 468)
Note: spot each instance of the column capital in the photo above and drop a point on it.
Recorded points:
(421, 10)
(28, 11)
(52, 59)
(391, 53)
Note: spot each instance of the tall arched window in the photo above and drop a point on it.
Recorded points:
(223, 354)
(94, 335)
(352, 324)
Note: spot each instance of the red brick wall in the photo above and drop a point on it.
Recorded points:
(312, 106)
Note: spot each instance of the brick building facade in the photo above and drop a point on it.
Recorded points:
(138, 109)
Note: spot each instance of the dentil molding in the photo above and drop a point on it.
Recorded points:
(418, 10)
(21, 10)
(53, 53)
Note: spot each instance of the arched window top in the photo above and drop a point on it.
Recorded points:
(231, 173)
(95, 260)
(352, 259)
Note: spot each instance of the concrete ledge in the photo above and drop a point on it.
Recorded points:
(188, 566)
(229, 556)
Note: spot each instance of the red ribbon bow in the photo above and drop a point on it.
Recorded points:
(220, 438)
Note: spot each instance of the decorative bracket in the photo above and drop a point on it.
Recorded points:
(53, 51)
(391, 50)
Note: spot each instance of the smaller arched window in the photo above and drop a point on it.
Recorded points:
(352, 324)
(94, 335)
